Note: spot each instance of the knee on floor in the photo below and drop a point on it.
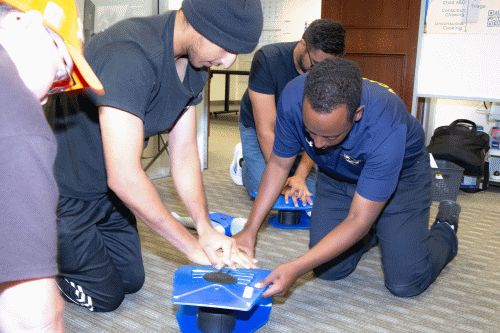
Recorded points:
(134, 281)
(332, 274)
(408, 289)
(110, 303)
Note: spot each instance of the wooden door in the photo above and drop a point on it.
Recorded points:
(381, 36)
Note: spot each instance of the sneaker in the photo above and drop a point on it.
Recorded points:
(449, 212)
(184, 220)
(235, 167)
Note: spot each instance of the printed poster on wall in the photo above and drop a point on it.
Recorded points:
(463, 16)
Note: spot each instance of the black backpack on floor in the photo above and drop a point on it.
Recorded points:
(461, 143)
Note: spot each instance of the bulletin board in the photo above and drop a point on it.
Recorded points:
(459, 56)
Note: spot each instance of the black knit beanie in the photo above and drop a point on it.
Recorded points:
(234, 25)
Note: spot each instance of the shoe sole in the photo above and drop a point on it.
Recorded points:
(234, 167)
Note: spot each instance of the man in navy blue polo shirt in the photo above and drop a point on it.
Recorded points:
(374, 182)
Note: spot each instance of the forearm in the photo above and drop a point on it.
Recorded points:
(123, 138)
(142, 198)
(262, 205)
(266, 141)
(274, 178)
(362, 214)
(264, 112)
(186, 173)
(304, 167)
(336, 242)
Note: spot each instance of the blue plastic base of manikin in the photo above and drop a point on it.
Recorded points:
(192, 290)
(246, 321)
(281, 206)
(303, 223)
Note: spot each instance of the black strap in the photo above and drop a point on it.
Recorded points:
(468, 123)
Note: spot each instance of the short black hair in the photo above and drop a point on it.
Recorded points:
(325, 35)
(334, 82)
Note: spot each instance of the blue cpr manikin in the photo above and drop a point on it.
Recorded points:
(193, 289)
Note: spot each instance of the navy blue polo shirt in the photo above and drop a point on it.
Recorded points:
(385, 141)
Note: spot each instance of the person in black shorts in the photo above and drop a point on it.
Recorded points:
(40, 53)
(153, 69)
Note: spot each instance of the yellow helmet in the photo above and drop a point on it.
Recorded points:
(61, 16)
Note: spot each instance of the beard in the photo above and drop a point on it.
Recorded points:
(300, 62)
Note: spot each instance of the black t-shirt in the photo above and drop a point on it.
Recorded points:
(28, 191)
(134, 59)
(272, 68)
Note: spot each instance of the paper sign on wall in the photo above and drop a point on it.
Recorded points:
(463, 16)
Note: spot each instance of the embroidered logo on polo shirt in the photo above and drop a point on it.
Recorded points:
(310, 143)
(351, 160)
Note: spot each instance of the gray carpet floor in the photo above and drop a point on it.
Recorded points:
(464, 298)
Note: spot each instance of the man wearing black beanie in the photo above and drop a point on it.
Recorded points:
(235, 25)
(153, 70)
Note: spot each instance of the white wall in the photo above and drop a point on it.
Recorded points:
(284, 21)
(442, 111)
(80, 5)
